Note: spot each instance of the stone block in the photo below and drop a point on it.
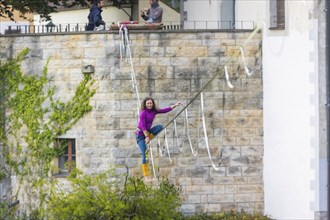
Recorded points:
(103, 152)
(165, 85)
(246, 206)
(230, 189)
(187, 208)
(179, 61)
(106, 123)
(185, 181)
(203, 199)
(252, 150)
(229, 141)
(197, 181)
(257, 197)
(243, 141)
(219, 172)
(151, 43)
(256, 188)
(197, 51)
(211, 42)
(218, 189)
(157, 51)
(227, 42)
(233, 151)
(140, 51)
(226, 207)
(121, 152)
(243, 197)
(252, 170)
(257, 179)
(233, 171)
(199, 189)
(215, 208)
(220, 198)
(257, 141)
(194, 199)
(197, 172)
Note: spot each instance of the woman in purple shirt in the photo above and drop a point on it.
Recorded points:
(145, 132)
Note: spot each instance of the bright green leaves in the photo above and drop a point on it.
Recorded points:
(109, 196)
(32, 118)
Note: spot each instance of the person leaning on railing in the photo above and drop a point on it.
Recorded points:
(154, 14)
(95, 21)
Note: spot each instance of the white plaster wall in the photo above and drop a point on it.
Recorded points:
(291, 163)
(250, 12)
(202, 13)
(289, 131)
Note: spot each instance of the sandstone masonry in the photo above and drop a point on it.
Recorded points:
(170, 67)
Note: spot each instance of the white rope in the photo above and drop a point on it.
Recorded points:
(247, 71)
(166, 144)
(158, 145)
(194, 153)
(133, 78)
(152, 160)
(176, 136)
(205, 134)
(227, 78)
(121, 44)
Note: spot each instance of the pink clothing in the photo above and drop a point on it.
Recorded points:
(147, 116)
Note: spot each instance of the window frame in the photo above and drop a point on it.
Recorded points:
(277, 15)
(71, 153)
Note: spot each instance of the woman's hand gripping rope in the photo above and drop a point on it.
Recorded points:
(150, 136)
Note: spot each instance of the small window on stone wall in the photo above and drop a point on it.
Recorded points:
(277, 14)
(67, 156)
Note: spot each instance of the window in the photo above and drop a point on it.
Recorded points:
(277, 14)
(67, 156)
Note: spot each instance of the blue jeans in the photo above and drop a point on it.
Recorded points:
(140, 140)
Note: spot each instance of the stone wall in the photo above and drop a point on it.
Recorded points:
(170, 67)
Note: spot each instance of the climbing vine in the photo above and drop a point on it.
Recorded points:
(31, 119)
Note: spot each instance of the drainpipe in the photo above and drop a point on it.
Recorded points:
(234, 14)
(327, 69)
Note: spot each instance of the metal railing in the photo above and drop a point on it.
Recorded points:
(224, 25)
(39, 29)
(167, 25)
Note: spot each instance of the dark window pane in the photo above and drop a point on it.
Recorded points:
(73, 147)
(63, 159)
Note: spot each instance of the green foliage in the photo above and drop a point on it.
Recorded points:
(37, 6)
(107, 196)
(230, 215)
(175, 4)
(2, 175)
(32, 119)
(7, 211)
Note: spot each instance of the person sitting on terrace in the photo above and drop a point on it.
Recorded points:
(154, 14)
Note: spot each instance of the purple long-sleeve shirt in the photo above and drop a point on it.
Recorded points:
(147, 116)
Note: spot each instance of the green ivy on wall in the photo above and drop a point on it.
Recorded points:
(31, 119)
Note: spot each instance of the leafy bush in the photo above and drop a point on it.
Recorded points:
(104, 196)
(7, 210)
(231, 215)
